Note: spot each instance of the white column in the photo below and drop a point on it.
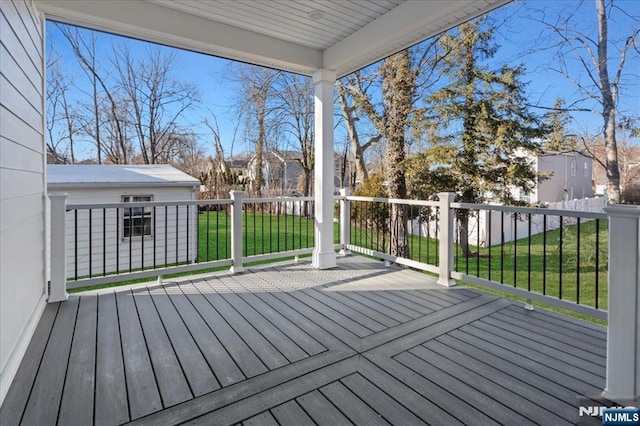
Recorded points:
(58, 283)
(236, 231)
(324, 255)
(623, 336)
(446, 238)
(345, 221)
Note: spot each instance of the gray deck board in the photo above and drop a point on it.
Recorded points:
(264, 419)
(111, 403)
(359, 304)
(566, 328)
(594, 366)
(289, 328)
(196, 369)
(44, 401)
(449, 400)
(354, 408)
(479, 400)
(170, 377)
(556, 338)
(321, 410)
(290, 413)
(387, 407)
(224, 367)
(246, 359)
(523, 388)
(142, 389)
(76, 407)
(517, 395)
(13, 405)
(405, 395)
(376, 303)
(271, 333)
(290, 345)
(527, 372)
(534, 359)
(268, 354)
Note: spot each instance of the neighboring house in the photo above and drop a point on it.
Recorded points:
(125, 234)
(281, 170)
(569, 177)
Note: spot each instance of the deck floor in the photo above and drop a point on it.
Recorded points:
(290, 345)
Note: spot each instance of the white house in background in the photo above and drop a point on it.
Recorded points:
(120, 238)
(570, 178)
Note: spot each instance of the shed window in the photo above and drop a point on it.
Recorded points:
(136, 221)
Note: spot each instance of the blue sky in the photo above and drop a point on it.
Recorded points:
(518, 37)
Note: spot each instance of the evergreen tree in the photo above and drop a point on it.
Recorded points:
(485, 133)
(557, 121)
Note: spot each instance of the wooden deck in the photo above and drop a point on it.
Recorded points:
(290, 345)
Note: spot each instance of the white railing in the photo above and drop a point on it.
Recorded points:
(95, 244)
(586, 262)
(557, 257)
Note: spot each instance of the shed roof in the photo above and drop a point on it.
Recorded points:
(81, 176)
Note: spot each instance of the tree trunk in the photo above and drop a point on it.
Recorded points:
(398, 87)
(259, 181)
(608, 108)
(357, 150)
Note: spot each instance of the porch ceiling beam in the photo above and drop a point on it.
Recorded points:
(147, 21)
(401, 27)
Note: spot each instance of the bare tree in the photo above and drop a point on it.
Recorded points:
(628, 160)
(217, 173)
(357, 149)
(189, 156)
(155, 101)
(294, 104)
(61, 121)
(599, 85)
(83, 45)
(254, 106)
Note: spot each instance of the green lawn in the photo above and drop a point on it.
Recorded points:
(262, 233)
(561, 268)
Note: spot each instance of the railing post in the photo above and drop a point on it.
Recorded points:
(623, 335)
(446, 238)
(58, 249)
(345, 221)
(236, 231)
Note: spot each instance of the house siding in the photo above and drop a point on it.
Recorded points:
(22, 182)
(563, 184)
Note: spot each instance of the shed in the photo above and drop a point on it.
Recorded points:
(109, 240)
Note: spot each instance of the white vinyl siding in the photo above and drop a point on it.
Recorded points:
(22, 181)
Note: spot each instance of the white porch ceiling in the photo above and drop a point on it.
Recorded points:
(276, 33)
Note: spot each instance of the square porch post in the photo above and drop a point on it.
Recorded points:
(623, 334)
(324, 255)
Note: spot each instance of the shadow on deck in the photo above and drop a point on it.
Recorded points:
(288, 344)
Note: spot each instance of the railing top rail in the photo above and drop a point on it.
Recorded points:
(275, 199)
(87, 206)
(530, 210)
(424, 203)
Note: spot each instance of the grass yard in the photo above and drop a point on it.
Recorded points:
(262, 233)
